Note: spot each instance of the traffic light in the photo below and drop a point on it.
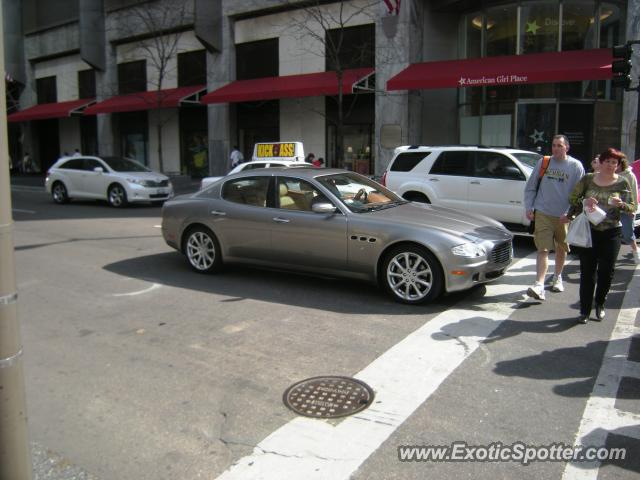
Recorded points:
(621, 66)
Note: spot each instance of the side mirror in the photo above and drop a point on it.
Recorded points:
(324, 207)
(98, 170)
(512, 173)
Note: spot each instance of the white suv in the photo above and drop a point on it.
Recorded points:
(485, 180)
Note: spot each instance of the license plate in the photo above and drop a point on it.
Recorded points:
(161, 191)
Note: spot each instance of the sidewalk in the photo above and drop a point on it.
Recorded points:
(48, 465)
(182, 184)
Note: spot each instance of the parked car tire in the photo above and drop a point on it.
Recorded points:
(411, 274)
(117, 196)
(202, 250)
(59, 193)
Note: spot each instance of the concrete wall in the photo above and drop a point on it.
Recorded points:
(169, 119)
(66, 71)
(300, 120)
(130, 52)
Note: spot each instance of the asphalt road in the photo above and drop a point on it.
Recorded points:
(138, 368)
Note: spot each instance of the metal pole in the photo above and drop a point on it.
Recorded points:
(15, 458)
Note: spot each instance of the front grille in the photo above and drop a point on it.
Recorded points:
(158, 195)
(161, 183)
(501, 253)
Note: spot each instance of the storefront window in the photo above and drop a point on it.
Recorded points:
(133, 135)
(194, 151)
(501, 30)
(470, 115)
(357, 148)
(577, 89)
(578, 25)
(536, 126)
(473, 29)
(539, 27)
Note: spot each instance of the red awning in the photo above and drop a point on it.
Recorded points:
(169, 98)
(50, 110)
(306, 85)
(571, 66)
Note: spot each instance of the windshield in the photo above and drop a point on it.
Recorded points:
(358, 193)
(528, 159)
(124, 165)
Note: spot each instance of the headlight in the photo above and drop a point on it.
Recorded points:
(469, 250)
(138, 181)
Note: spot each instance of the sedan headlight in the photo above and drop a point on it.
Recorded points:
(469, 250)
(138, 181)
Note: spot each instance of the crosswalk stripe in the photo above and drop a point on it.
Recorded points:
(317, 449)
(600, 415)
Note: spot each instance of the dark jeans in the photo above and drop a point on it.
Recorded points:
(596, 267)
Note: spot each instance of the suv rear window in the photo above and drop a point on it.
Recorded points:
(452, 163)
(405, 162)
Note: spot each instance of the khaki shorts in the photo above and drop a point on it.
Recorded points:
(550, 234)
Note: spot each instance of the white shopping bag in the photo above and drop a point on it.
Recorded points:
(579, 234)
(596, 216)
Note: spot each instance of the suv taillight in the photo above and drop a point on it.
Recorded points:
(383, 180)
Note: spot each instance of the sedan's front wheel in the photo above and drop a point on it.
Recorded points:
(117, 196)
(412, 275)
(203, 250)
(59, 193)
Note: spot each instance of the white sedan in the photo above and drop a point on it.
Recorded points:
(206, 181)
(115, 179)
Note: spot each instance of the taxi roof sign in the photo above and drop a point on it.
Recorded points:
(278, 151)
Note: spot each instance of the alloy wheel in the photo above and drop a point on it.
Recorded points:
(409, 276)
(201, 251)
(116, 196)
(59, 193)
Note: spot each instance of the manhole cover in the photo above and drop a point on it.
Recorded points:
(328, 397)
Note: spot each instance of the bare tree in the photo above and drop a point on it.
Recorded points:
(156, 27)
(326, 26)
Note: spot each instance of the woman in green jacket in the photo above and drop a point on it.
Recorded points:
(612, 193)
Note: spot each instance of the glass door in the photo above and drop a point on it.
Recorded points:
(575, 120)
(536, 125)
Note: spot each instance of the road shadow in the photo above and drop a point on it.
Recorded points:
(239, 282)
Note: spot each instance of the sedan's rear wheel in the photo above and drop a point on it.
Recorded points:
(59, 193)
(117, 196)
(202, 250)
(412, 275)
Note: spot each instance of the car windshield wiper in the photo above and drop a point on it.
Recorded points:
(384, 206)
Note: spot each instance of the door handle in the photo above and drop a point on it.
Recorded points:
(281, 220)
(434, 180)
(475, 182)
(218, 213)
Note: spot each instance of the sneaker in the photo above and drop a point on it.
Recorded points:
(556, 285)
(636, 256)
(536, 291)
(583, 319)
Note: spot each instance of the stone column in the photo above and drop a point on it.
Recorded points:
(220, 71)
(398, 116)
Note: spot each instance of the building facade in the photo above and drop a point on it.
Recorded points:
(176, 84)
